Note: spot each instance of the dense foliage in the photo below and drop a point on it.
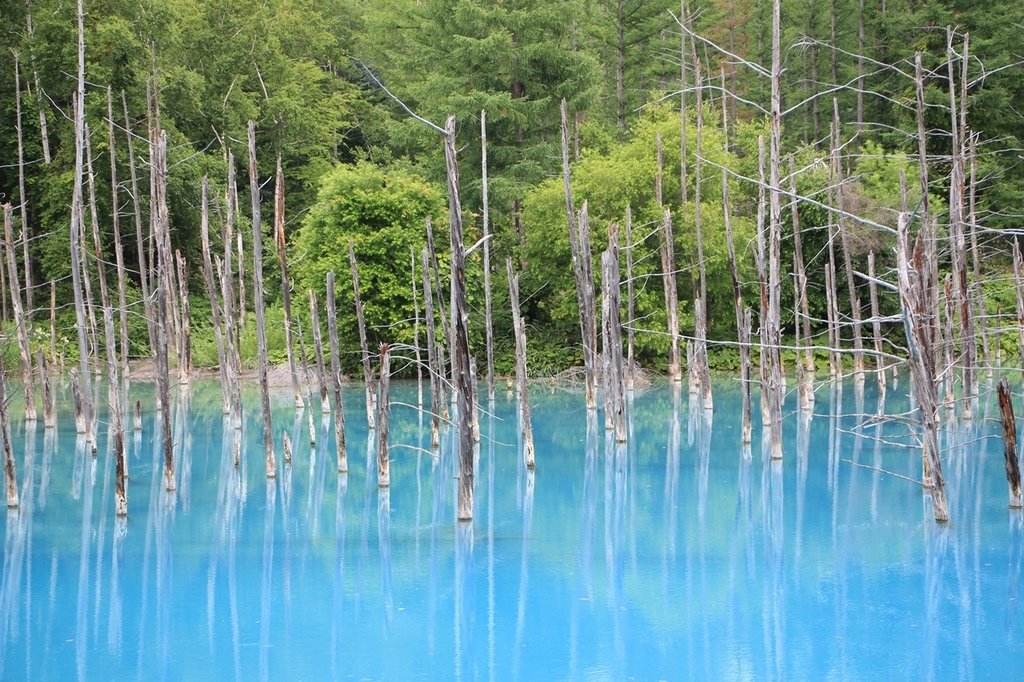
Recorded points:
(358, 168)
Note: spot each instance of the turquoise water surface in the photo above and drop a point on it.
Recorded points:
(676, 556)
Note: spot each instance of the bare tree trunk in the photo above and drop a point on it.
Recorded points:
(158, 207)
(522, 383)
(433, 361)
(579, 243)
(258, 304)
(700, 308)
(488, 323)
(231, 330)
(19, 317)
(807, 389)
(775, 382)
(860, 68)
(416, 329)
(318, 349)
(760, 260)
(363, 345)
(741, 316)
(185, 326)
(383, 418)
(683, 16)
(22, 199)
(43, 131)
(630, 302)
(10, 475)
(49, 415)
(851, 284)
(464, 386)
(915, 297)
(668, 270)
(614, 382)
(286, 293)
(339, 408)
(1010, 443)
(981, 311)
(876, 325)
(1018, 286)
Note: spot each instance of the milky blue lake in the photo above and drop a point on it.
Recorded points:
(676, 556)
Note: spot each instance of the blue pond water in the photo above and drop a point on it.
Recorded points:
(674, 557)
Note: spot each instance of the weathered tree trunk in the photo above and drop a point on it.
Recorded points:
(40, 100)
(53, 320)
(916, 299)
(433, 362)
(185, 326)
(485, 218)
(775, 381)
(383, 417)
(807, 390)
(122, 277)
(760, 260)
(522, 381)
(876, 324)
(463, 386)
(286, 293)
(981, 310)
(579, 243)
(158, 206)
(630, 302)
(416, 328)
(1010, 443)
(668, 280)
(614, 381)
(932, 283)
(22, 198)
(684, 17)
(1018, 280)
(339, 408)
(19, 317)
(318, 349)
(363, 344)
(258, 304)
(851, 284)
(700, 308)
(10, 475)
(741, 316)
(49, 413)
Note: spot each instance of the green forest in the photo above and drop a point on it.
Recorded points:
(331, 86)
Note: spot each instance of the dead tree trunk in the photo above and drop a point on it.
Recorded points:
(876, 324)
(489, 325)
(383, 418)
(158, 205)
(318, 349)
(19, 317)
(460, 334)
(22, 199)
(579, 244)
(258, 304)
(286, 293)
(807, 390)
(416, 328)
(615, 381)
(630, 303)
(364, 347)
(339, 408)
(741, 316)
(700, 307)
(115, 211)
(775, 381)
(43, 128)
(918, 306)
(433, 362)
(1010, 443)
(10, 475)
(683, 17)
(668, 280)
(851, 284)
(185, 326)
(1018, 279)
(522, 382)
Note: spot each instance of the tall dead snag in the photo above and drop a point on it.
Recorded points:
(22, 199)
(433, 361)
(485, 218)
(231, 350)
(773, 327)
(682, 103)
(40, 100)
(668, 280)
(700, 308)
(158, 206)
(185, 324)
(463, 385)
(614, 380)
(49, 415)
(339, 408)
(630, 303)
(416, 326)
(213, 294)
(925, 213)
(800, 271)
(579, 245)
(10, 475)
(140, 246)
(519, 331)
(383, 417)
(19, 316)
(364, 348)
(258, 304)
(318, 350)
(760, 262)
(115, 211)
(876, 324)
(980, 311)
(77, 221)
(917, 301)
(1010, 443)
(286, 293)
